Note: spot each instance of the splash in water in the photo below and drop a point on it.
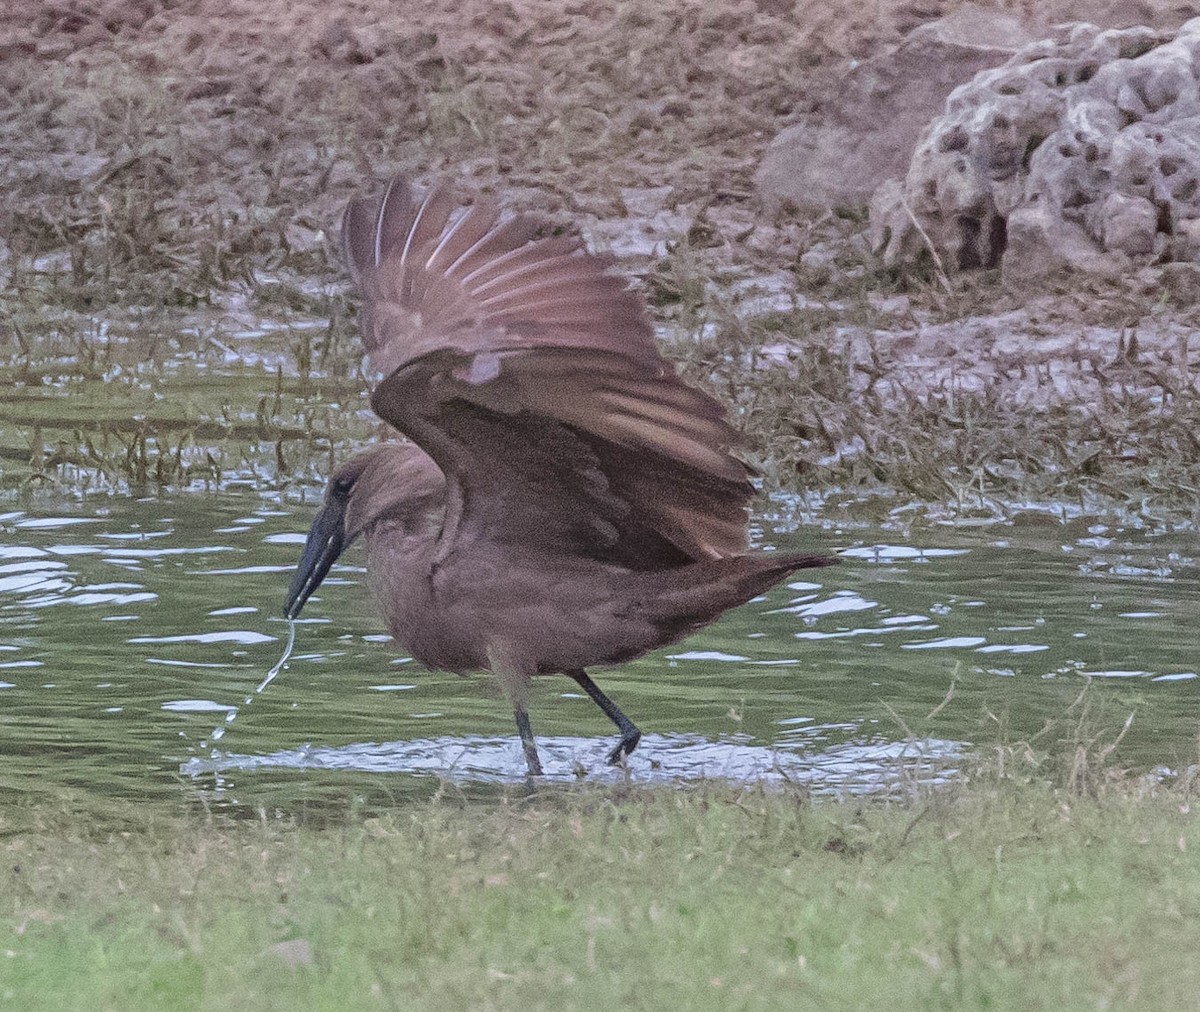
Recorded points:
(219, 733)
(279, 664)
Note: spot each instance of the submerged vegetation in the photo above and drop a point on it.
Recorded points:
(159, 401)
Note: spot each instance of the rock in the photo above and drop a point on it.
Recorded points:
(303, 238)
(1129, 224)
(1180, 283)
(1186, 246)
(824, 260)
(821, 261)
(887, 101)
(889, 222)
(1041, 245)
(1081, 152)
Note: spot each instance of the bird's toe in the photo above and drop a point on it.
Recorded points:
(622, 752)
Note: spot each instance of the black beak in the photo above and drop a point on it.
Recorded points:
(325, 543)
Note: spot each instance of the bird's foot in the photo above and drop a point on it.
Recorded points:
(621, 753)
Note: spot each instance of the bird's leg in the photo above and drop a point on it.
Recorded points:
(630, 734)
(527, 742)
(516, 686)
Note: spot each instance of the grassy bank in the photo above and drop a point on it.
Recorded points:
(1007, 893)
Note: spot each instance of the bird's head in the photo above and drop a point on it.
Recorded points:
(392, 479)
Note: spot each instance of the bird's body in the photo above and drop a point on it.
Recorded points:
(569, 501)
(543, 612)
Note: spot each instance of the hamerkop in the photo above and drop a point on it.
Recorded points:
(566, 500)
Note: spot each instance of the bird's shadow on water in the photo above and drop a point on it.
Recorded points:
(873, 767)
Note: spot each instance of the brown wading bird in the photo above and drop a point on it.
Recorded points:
(566, 500)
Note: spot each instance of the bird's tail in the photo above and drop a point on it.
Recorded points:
(687, 598)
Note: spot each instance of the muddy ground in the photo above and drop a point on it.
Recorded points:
(177, 169)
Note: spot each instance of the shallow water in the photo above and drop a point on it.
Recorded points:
(131, 629)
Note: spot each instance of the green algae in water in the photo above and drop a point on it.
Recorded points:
(125, 626)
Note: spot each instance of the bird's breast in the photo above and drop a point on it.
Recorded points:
(542, 614)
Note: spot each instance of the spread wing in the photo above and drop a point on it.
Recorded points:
(529, 373)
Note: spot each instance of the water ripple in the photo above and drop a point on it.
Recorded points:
(242, 636)
(852, 768)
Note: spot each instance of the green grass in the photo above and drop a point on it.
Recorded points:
(1005, 894)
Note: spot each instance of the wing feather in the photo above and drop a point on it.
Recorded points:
(394, 219)
(501, 238)
(540, 258)
(471, 226)
(358, 237)
(528, 371)
(429, 223)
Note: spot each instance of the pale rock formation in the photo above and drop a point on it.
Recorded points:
(869, 133)
(1081, 152)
